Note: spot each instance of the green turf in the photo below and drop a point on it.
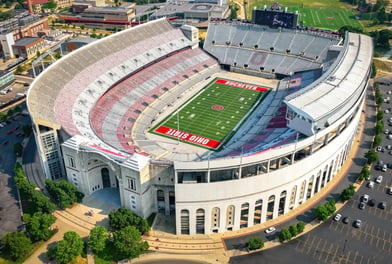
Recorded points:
(322, 14)
(197, 117)
(323, 18)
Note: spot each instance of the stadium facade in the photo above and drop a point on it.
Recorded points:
(93, 110)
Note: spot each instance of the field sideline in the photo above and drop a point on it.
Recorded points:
(209, 118)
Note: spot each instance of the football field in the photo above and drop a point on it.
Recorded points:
(212, 116)
(324, 18)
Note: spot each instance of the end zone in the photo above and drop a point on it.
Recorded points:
(188, 137)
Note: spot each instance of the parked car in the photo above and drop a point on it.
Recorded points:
(270, 230)
(365, 198)
(384, 168)
(337, 217)
(371, 184)
(361, 205)
(382, 205)
(346, 220)
(357, 223)
(389, 191)
(379, 179)
(372, 202)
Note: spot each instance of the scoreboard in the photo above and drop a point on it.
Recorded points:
(274, 18)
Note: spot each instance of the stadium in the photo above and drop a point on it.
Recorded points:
(222, 137)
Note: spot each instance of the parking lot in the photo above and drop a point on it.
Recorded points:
(338, 242)
(10, 214)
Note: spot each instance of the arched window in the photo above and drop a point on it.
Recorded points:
(258, 210)
(282, 202)
(244, 215)
(293, 195)
(215, 217)
(270, 207)
(200, 221)
(184, 221)
(230, 217)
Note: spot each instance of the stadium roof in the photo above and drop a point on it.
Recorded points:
(331, 95)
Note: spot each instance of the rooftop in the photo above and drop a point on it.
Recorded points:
(26, 41)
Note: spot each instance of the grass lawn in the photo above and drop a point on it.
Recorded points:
(213, 115)
(324, 18)
(320, 14)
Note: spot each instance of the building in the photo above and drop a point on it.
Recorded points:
(28, 47)
(94, 110)
(103, 17)
(23, 25)
(191, 11)
(7, 78)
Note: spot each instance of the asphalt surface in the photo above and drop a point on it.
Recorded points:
(10, 212)
(336, 242)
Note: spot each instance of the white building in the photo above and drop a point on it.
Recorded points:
(92, 111)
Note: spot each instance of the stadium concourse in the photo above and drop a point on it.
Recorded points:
(113, 112)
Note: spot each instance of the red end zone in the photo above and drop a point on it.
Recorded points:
(188, 137)
(242, 85)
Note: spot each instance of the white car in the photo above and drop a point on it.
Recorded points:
(379, 179)
(389, 191)
(270, 230)
(337, 217)
(371, 184)
(365, 198)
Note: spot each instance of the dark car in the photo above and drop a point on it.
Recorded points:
(382, 205)
(346, 220)
(361, 205)
(357, 223)
(372, 202)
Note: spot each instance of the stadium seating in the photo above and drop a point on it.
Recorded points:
(283, 49)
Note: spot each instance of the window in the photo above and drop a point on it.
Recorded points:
(71, 162)
(132, 183)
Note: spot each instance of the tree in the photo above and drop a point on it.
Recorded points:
(293, 230)
(380, 115)
(63, 192)
(27, 130)
(69, 248)
(322, 213)
(377, 141)
(364, 174)
(3, 116)
(128, 243)
(38, 226)
(52, 5)
(330, 206)
(124, 217)
(347, 193)
(300, 226)
(18, 149)
(20, 69)
(285, 235)
(98, 238)
(371, 156)
(17, 244)
(379, 128)
(255, 243)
